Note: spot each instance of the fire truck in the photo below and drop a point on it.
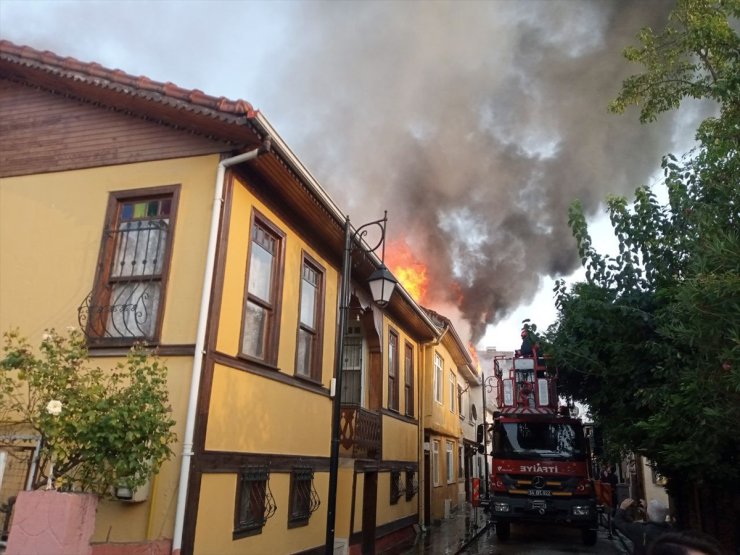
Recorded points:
(540, 456)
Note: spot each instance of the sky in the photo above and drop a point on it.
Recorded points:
(474, 123)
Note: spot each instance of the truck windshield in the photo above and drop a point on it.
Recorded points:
(538, 440)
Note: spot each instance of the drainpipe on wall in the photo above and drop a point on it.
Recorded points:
(200, 337)
(421, 492)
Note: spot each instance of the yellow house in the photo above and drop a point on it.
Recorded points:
(138, 210)
(448, 365)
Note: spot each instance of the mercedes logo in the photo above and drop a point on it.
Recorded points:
(538, 482)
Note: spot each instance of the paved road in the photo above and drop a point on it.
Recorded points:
(541, 540)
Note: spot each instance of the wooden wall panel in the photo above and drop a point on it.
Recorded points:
(42, 132)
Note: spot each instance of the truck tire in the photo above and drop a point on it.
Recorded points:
(503, 531)
(589, 536)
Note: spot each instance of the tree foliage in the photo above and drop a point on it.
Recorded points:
(115, 426)
(651, 340)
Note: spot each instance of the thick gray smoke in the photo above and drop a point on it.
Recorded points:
(475, 124)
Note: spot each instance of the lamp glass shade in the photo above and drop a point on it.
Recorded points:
(382, 283)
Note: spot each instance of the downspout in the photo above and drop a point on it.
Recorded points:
(421, 493)
(200, 338)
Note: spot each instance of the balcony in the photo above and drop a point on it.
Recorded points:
(360, 432)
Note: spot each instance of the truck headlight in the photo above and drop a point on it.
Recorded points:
(501, 507)
(581, 510)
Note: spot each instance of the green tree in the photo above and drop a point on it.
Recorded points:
(99, 429)
(651, 340)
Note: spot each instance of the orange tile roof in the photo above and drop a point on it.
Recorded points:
(100, 76)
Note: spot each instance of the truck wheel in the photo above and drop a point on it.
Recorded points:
(589, 536)
(503, 531)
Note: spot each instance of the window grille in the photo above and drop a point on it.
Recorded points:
(125, 302)
(254, 501)
(304, 500)
(396, 486)
(412, 484)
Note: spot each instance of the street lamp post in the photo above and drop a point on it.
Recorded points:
(382, 284)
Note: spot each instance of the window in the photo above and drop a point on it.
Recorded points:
(311, 317)
(395, 486)
(460, 405)
(352, 365)
(303, 497)
(453, 391)
(392, 370)
(408, 388)
(438, 371)
(450, 463)
(460, 461)
(411, 484)
(261, 308)
(254, 502)
(129, 290)
(435, 462)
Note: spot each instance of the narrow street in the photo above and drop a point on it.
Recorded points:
(461, 535)
(541, 540)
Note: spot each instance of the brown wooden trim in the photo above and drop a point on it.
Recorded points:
(353, 500)
(191, 511)
(159, 350)
(229, 462)
(256, 367)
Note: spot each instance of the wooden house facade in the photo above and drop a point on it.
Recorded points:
(140, 211)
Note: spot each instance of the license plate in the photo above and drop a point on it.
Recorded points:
(539, 505)
(539, 493)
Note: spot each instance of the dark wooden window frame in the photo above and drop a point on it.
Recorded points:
(253, 487)
(276, 289)
(98, 297)
(318, 332)
(304, 500)
(408, 386)
(394, 368)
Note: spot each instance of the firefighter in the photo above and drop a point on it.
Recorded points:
(526, 349)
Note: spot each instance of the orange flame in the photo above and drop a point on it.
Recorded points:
(408, 269)
(473, 353)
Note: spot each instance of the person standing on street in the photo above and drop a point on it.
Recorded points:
(642, 533)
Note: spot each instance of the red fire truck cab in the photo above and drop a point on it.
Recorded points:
(540, 471)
